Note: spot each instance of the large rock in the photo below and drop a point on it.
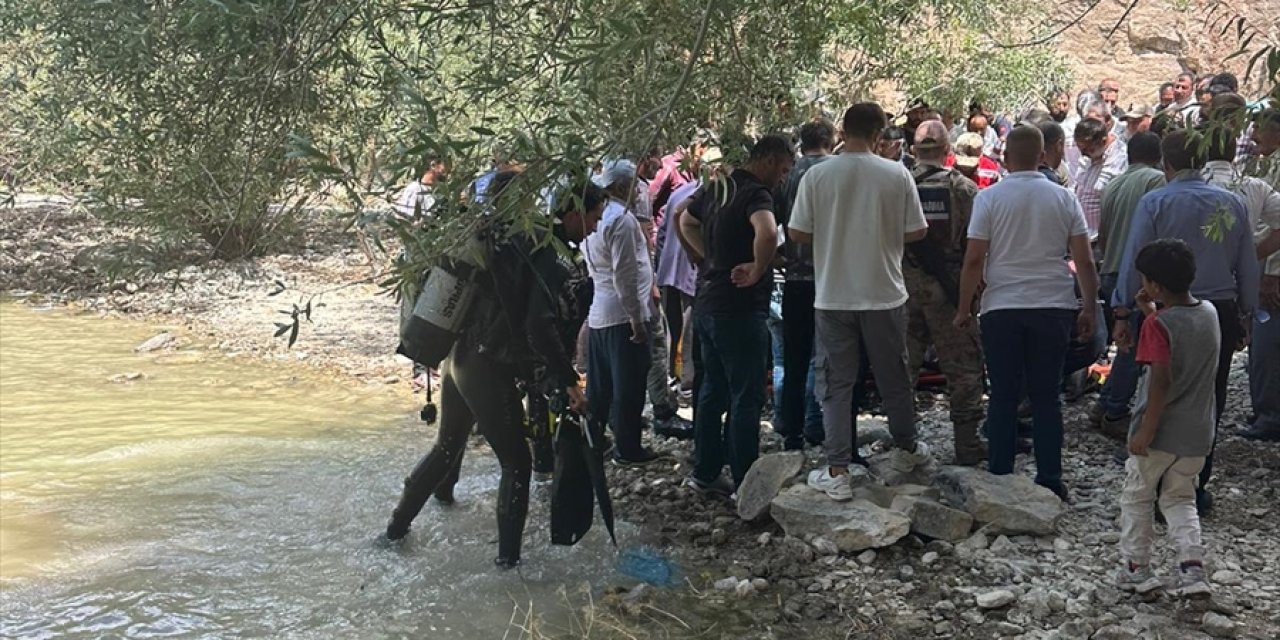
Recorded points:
(873, 430)
(853, 526)
(157, 342)
(1114, 632)
(884, 495)
(932, 519)
(882, 467)
(995, 599)
(1009, 504)
(1218, 626)
(764, 480)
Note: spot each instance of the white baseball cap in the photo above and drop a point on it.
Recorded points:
(614, 171)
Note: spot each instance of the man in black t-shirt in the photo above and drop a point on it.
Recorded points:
(730, 228)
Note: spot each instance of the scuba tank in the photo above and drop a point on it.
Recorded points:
(436, 321)
(442, 308)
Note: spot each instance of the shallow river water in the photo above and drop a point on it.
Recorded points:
(222, 498)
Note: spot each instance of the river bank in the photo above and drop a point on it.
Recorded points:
(1058, 586)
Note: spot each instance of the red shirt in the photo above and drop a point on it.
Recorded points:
(988, 172)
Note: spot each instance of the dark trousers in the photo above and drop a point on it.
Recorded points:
(795, 423)
(1025, 349)
(1264, 373)
(1116, 396)
(617, 373)
(1106, 288)
(476, 390)
(731, 379)
(675, 304)
(1232, 332)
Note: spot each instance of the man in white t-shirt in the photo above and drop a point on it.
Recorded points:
(1020, 230)
(859, 210)
(417, 198)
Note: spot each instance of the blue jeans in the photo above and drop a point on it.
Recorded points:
(1025, 349)
(1116, 396)
(776, 342)
(1083, 354)
(1264, 374)
(731, 380)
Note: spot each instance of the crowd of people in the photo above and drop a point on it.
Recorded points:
(1008, 251)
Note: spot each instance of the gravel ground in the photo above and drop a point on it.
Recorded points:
(1058, 586)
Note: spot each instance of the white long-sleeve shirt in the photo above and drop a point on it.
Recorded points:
(1261, 201)
(621, 273)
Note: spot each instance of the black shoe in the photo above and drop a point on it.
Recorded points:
(719, 487)
(445, 496)
(1116, 427)
(793, 444)
(395, 532)
(1059, 489)
(673, 427)
(1121, 454)
(1204, 503)
(506, 563)
(1263, 435)
(646, 456)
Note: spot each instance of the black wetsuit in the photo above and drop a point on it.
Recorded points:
(515, 335)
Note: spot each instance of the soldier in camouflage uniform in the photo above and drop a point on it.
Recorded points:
(931, 269)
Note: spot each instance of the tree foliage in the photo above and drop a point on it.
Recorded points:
(216, 120)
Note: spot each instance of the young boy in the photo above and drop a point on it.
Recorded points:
(1173, 426)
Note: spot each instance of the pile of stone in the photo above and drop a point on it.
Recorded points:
(947, 505)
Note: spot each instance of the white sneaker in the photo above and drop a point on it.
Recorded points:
(904, 461)
(1139, 580)
(836, 487)
(1192, 582)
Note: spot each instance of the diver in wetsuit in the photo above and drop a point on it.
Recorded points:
(515, 336)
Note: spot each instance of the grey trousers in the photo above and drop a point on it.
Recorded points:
(661, 395)
(841, 337)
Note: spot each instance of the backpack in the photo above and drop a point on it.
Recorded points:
(928, 254)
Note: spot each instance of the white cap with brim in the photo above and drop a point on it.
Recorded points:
(615, 171)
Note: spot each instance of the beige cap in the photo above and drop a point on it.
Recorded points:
(1139, 112)
(969, 144)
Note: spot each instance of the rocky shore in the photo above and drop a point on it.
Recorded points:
(944, 553)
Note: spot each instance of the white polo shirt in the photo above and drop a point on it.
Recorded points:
(1029, 222)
